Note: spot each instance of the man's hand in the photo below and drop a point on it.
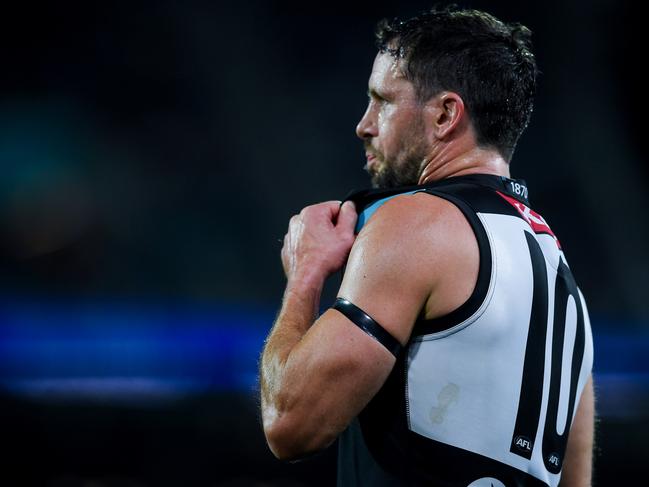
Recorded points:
(318, 241)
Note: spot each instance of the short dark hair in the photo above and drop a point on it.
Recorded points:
(487, 62)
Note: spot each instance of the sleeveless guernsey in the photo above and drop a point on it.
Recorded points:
(485, 395)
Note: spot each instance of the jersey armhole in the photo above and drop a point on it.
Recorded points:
(479, 294)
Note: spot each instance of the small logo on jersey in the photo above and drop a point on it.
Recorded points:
(447, 396)
(486, 482)
(523, 443)
(534, 220)
(553, 459)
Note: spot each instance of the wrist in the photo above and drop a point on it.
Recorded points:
(303, 292)
(306, 281)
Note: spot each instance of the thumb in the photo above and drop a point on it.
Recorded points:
(347, 216)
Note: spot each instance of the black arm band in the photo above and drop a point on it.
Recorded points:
(366, 323)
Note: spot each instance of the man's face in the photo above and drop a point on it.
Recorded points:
(392, 127)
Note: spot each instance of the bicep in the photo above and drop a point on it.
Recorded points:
(337, 369)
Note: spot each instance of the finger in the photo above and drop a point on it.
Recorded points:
(333, 204)
(332, 209)
(347, 216)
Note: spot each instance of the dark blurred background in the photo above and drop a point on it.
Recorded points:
(151, 154)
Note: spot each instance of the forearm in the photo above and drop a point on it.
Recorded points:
(299, 311)
(317, 244)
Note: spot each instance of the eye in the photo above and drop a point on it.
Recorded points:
(380, 101)
(375, 97)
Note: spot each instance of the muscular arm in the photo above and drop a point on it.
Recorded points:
(317, 375)
(313, 374)
(314, 380)
(578, 462)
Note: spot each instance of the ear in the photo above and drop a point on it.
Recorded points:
(447, 111)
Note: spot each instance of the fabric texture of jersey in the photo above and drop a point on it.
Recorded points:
(484, 396)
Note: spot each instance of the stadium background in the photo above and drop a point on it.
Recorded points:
(151, 154)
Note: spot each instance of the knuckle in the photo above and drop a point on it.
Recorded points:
(332, 203)
(306, 211)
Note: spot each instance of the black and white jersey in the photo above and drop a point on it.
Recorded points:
(486, 395)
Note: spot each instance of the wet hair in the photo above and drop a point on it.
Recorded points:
(487, 62)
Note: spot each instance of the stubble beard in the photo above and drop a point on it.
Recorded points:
(406, 167)
(403, 171)
(387, 174)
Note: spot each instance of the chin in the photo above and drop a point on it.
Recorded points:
(377, 180)
(380, 183)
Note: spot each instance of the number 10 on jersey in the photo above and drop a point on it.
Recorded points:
(528, 418)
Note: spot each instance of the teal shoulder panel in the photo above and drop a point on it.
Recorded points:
(367, 213)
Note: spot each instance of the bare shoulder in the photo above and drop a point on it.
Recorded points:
(407, 218)
(416, 255)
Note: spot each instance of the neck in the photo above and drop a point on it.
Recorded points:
(475, 160)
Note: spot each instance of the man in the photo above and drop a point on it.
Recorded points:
(459, 351)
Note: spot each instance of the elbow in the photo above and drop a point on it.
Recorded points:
(290, 438)
(283, 445)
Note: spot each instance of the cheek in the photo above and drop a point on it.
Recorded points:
(397, 131)
(381, 121)
(387, 121)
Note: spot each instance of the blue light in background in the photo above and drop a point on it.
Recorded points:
(161, 351)
(129, 351)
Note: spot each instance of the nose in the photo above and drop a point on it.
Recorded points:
(366, 127)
